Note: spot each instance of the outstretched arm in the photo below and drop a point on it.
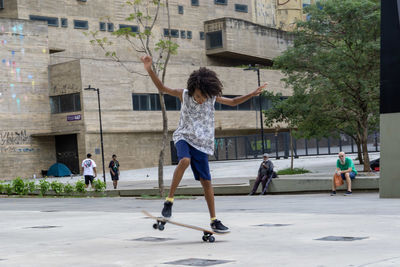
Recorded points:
(147, 62)
(240, 99)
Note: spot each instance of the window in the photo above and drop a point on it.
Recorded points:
(175, 33)
(172, 102)
(189, 34)
(183, 34)
(201, 35)
(251, 104)
(142, 102)
(102, 26)
(221, 2)
(214, 39)
(65, 103)
(241, 8)
(51, 21)
(1, 4)
(64, 22)
(166, 32)
(180, 9)
(195, 2)
(82, 0)
(81, 24)
(110, 26)
(132, 27)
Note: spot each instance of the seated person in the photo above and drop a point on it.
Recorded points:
(264, 175)
(345, 168)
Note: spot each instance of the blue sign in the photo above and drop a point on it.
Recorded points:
(74, 117)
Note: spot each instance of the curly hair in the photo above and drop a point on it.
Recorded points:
(206, 81)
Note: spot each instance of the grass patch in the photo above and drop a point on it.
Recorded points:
(288, 171)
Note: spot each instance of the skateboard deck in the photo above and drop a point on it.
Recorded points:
(161, 221)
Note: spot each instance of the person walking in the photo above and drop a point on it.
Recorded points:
(114, 170)
(89, 170)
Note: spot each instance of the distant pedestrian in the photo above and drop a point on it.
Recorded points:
(114, 170)
(345, 168)
(89, 170)
(264, 175)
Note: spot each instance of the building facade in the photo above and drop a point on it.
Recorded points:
(47, 61)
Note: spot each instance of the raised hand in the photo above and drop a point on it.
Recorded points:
(147, 61)
(259, 90)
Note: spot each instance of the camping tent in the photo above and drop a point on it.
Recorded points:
(58, 170)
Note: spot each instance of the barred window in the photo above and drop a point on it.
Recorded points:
(51, 21)
(241, 8)
(81, 24)
(65, 103)
(64, 22)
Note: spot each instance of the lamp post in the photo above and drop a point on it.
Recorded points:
(261, 116)
(101, 128)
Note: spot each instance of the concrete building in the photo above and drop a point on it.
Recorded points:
(47, 61)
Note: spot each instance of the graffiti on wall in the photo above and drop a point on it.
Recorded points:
(15, 142)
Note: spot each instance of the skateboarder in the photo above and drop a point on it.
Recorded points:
(194, 138)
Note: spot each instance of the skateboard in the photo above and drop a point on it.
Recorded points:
(161, 221)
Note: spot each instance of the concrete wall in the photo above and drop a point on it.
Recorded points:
(192, 51)
(24, 99)
(10, 9)
(389, 186)
(248, 39)
(287, 13)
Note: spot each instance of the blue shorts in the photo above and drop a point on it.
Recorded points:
(352, 175)
(198, 160)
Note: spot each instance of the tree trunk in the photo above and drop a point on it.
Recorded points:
(163, 145)
(364, 143)
(291, 149)
(359, 151)
(164, 118)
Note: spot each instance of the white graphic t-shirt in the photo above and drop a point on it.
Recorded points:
(88, 165)
(196, 123)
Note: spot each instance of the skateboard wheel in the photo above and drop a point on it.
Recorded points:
(161, 227)
(155, 226)
(205, 238)
(211, 239)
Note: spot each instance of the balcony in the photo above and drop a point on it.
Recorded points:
(244, 41)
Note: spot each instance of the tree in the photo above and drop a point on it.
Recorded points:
(145, 14)
(284, 111)
(334, 61)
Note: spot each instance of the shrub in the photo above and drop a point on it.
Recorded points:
(8, 189)
(57, 187)
(294, 171)
(80, 186)
(44, 187)
(2, 187)
(31, 186)
(68, 188)
(99, 186)
(19, 187)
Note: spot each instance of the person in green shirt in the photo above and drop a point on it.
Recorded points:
(345, 168)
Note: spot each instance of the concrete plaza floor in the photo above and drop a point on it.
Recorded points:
(272, 230)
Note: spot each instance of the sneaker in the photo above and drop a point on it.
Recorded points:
(167, 210)
(218, 227)
(348, 193)
(333, 193)
(251, 194)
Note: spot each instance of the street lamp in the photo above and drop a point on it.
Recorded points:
(261, 116)
(101, 128)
